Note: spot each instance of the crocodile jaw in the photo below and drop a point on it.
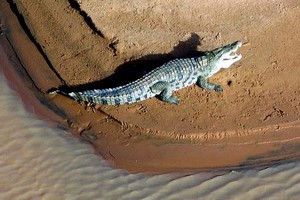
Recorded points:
(230, 56)
(223, 57)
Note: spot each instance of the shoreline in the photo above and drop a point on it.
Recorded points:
(132, 147)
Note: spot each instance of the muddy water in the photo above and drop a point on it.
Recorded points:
(38, 162)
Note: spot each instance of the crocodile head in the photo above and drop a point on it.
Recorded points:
(224, 57)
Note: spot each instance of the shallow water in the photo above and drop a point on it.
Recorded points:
(37, 161)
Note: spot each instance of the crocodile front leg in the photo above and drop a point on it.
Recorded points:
(164, 91)
(202, 82)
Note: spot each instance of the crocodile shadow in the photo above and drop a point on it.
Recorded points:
(132, 70)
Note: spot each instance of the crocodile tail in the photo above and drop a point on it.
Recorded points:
(56, 91)
(114, 96)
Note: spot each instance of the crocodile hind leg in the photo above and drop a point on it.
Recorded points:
(202, 82)
(164, 91)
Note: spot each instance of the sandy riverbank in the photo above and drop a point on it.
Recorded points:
(254, 121)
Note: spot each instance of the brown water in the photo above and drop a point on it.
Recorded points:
(38, 162)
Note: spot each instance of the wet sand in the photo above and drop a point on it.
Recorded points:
(255, 120)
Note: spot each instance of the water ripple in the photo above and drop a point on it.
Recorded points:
(37, 162)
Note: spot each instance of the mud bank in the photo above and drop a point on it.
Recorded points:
(254, 121)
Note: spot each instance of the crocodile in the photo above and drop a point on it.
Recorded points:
(164, 80)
